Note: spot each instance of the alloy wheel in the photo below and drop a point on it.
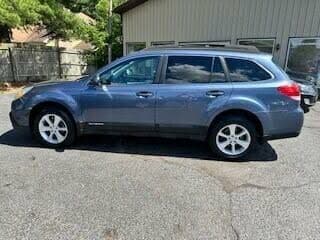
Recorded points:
(53, 129)
(233, 139)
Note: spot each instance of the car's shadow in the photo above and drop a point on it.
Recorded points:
(139, 146)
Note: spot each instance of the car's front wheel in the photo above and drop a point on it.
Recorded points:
(54, 128)
(233, 137)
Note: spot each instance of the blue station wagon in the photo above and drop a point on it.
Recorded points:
(230, 97)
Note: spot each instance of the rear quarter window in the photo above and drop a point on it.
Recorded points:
(242, 70)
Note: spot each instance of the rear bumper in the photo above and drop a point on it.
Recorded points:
(282, 124)
(308, 100)
(281, 136)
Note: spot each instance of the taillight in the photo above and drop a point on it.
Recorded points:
(292, 91)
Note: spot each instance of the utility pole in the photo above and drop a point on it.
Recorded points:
(110, 33)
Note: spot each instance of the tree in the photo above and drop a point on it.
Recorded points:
(103, 18)
(99, 35)
(58, 17)
(50, 14)
(16, 13)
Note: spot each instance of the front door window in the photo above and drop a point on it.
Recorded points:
(136, 71)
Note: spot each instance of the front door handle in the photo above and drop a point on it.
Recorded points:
(144, 94)
(214, 93)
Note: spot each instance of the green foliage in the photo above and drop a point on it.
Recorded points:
(85, 6)
(103, 38)
(49, 13)
(99, 34)
(59, 18)
(15, 13)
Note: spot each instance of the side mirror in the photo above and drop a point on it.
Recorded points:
(95, 81)
(105, 81)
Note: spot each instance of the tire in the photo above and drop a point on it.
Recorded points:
(59, 134)
(219, 137)
(305, 109)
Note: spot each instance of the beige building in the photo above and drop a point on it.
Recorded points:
(287, 29)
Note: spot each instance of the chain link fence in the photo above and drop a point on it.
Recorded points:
(34, 65)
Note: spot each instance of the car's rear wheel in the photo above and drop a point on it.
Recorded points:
(54, 128)
(233, 137)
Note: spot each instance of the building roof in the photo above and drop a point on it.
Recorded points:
(130, 4)
(31, 34)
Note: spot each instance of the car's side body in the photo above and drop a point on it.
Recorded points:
(169, 110)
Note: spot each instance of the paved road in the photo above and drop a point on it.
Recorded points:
(139, 188)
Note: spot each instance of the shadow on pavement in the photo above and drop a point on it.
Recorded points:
(139, 146)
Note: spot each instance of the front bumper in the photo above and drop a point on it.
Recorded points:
(13, 121)
(19, 116)
(17, 124)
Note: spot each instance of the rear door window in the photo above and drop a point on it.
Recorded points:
(242, 70)
(188, 69)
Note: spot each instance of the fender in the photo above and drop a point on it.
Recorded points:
(70, 102)
(242, 103)
(249, 104)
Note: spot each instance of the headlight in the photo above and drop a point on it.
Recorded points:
(23, 91)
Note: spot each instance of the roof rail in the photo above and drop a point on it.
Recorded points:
(205, 46)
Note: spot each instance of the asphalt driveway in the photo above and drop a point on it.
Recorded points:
(142, 188)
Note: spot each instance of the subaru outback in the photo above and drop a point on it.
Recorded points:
(231, 98)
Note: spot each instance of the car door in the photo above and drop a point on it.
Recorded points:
(191, 90)
(124, 99)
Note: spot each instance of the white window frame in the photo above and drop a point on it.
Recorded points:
(259, 39)
(127, 44)
(162, 43)
(219, 42)
(288, 48)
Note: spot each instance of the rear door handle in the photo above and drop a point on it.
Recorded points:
(144, 94)
(214, 93)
